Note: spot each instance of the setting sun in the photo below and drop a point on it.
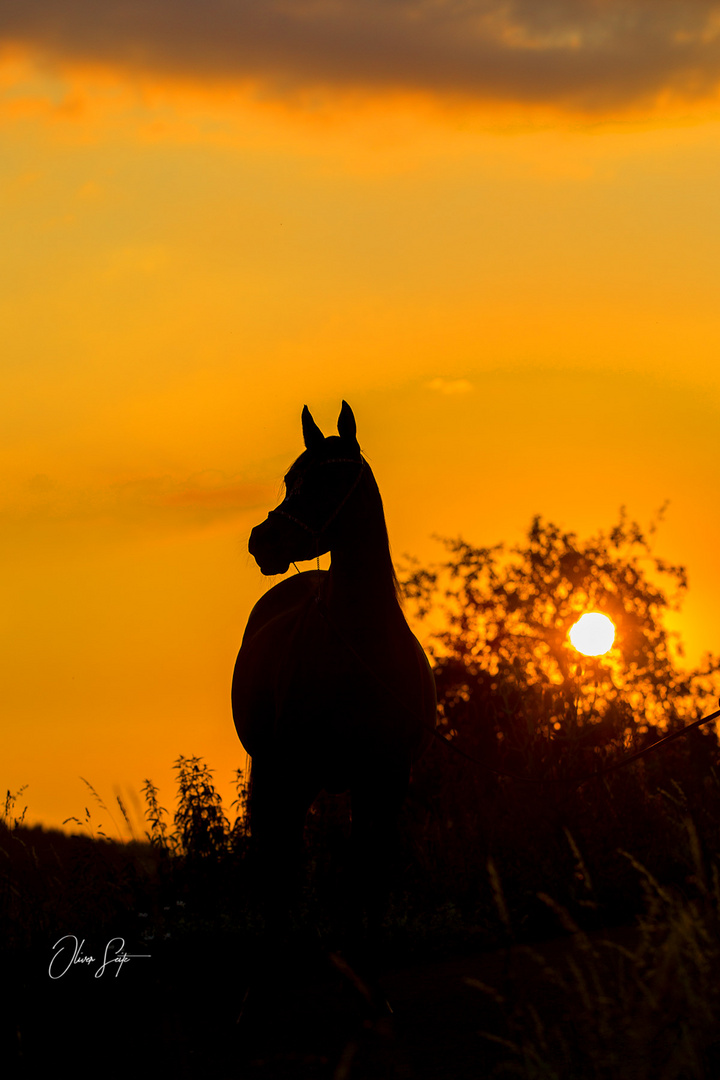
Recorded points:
(593, 634)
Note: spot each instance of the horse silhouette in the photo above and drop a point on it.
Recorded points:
(331, 690)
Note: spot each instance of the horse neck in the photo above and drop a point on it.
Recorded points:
(363, 579)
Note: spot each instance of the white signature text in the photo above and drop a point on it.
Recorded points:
(69, 952)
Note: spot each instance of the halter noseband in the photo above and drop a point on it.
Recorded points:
(317, 533)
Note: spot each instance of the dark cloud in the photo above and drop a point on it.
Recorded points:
(586, 54)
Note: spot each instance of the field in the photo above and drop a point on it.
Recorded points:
(580, 941)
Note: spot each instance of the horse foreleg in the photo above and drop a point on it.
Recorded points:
(377, 800)
(279, 801)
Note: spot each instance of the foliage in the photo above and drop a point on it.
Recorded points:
(200, 820)
(156, 815)
(527, 719)
(499, 618)
(52, 883)
(8, 817)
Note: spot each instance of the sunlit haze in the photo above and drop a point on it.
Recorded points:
(494, 234)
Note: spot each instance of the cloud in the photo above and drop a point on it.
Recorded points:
(450, 386)
(584, 55)
(155, 503)
(205, 496)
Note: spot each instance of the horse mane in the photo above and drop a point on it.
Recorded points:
(374, 494)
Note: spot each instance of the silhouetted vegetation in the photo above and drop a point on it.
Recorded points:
(535, 716)
(503, 845)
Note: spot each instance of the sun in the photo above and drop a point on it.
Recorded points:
(593, 634)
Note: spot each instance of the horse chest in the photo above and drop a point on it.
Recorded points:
(303, 681)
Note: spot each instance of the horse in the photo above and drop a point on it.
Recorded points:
(331, 690)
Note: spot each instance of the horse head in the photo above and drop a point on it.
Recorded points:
(317, 487)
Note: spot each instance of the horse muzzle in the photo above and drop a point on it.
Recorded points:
(266, 551)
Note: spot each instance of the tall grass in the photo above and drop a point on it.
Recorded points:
(641, 852)
(641, 1004)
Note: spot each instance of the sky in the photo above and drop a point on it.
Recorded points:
(492, 227)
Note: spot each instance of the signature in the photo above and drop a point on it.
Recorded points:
(69, 951)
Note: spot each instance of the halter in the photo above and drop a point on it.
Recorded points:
(317, 533)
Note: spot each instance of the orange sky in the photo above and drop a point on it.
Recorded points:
(513, 279)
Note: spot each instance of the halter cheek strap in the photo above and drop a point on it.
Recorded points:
(317, 533)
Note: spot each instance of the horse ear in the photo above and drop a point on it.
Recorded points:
(346, 424)
(311, 432)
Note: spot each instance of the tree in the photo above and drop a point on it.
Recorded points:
(530, 717)
(498, 620)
